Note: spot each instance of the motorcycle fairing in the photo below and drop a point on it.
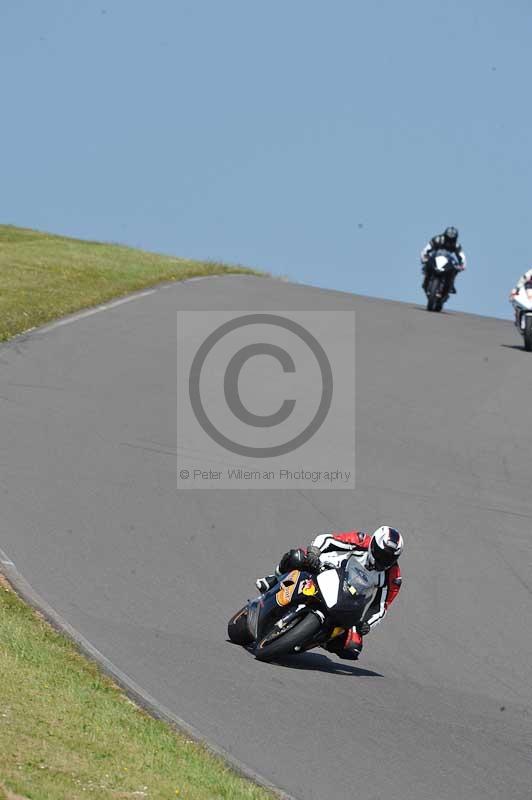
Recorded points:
(287, 586)
(329, 583)
(266, 610)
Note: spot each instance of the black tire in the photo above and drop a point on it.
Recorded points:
(431, 294)
(438, 304)
(285, 642)
(528, 334)
(237, 627)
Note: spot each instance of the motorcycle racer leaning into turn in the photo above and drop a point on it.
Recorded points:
(377, 553)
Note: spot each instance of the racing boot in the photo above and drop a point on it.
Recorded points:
(348, 646)
(266, 583)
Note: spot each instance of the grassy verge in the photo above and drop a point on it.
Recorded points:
(67, 732)
(43, 277)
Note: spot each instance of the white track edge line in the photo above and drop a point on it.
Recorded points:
(96, 310)
(133, 690)
(4, 559)
(50, 326)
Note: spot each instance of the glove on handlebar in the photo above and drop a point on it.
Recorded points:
(312, 559)
(298, 559)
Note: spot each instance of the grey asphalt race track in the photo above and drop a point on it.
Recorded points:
(439, 705)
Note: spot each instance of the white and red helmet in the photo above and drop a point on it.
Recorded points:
(385, 547)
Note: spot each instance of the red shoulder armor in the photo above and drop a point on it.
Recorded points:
(357, 538)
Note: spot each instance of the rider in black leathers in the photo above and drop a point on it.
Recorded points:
(448, 240)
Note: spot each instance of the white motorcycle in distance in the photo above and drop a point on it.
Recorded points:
(522, 302)
(439, 270)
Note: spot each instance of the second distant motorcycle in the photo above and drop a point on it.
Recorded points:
(440, 270)
(521, 299)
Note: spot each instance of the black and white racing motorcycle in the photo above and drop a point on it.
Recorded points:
(440, 269)
(522, 302)
(303, 611)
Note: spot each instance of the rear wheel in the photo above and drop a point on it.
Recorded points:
(237, 627)
(282, 642)
(527, 333)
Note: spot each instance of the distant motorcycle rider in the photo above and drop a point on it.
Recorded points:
(448, 240)
(524, 280)
(377, 553)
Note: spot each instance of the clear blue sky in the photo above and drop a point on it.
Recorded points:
(324, 141)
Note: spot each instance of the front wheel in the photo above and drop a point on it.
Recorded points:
(435, 304)
(282, 642)
(432, 295)
(527, 333)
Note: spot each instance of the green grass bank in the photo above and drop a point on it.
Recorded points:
(67, 732)
(43, 276)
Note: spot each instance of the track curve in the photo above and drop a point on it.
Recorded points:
(440, 704)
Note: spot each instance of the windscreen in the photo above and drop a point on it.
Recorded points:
(347, 591)
(357, 585)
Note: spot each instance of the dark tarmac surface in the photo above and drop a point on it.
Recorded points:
(439, 706)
